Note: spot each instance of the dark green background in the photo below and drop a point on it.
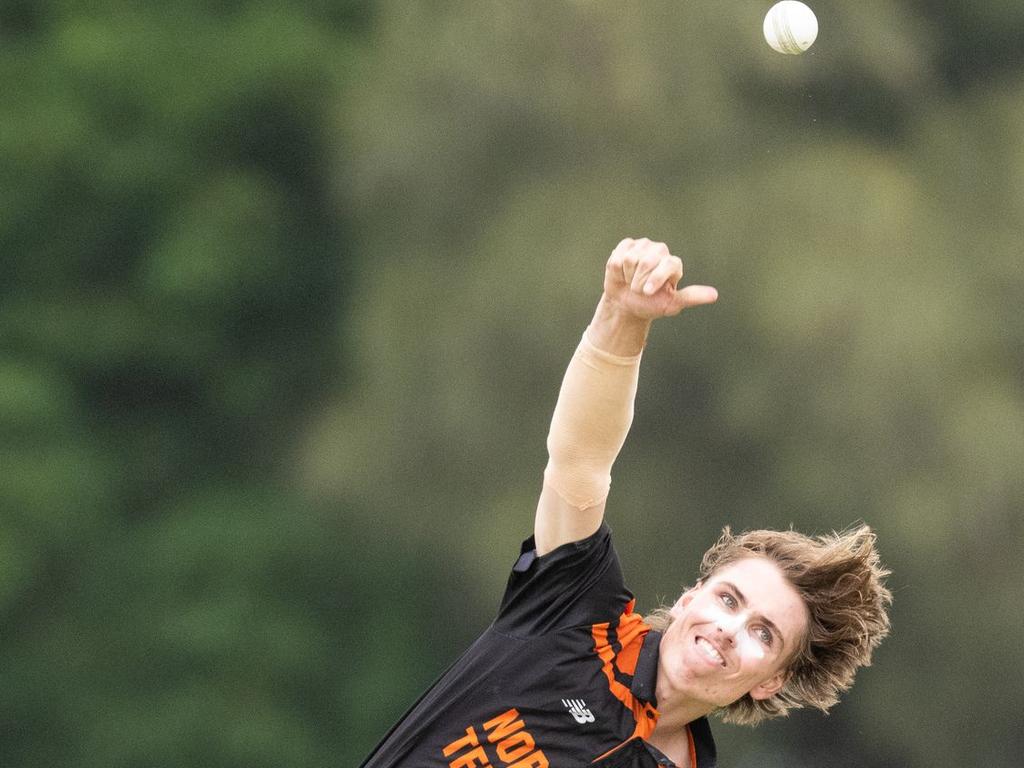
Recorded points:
(287, 290)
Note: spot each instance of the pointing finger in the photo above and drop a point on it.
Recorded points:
(695, 296)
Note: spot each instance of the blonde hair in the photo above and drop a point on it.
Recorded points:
(842, 582)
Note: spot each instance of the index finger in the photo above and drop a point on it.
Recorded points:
(669, 271)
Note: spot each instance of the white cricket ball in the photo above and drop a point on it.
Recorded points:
(790, 27)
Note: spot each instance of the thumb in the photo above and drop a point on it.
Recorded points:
(694, 296)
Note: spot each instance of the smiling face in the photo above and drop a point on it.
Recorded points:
(731, 635)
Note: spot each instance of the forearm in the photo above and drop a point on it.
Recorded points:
(595, 408)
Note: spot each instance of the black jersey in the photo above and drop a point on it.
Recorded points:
(564, 677)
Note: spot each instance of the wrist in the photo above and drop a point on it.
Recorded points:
(617, 331)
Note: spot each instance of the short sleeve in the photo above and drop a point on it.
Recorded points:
(577, 584)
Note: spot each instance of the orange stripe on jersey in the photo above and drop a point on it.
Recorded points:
(626, 660)
(613, 749)
(630, 632)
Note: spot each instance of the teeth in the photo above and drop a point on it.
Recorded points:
(710, 651)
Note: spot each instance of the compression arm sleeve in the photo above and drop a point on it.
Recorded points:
(590, 423)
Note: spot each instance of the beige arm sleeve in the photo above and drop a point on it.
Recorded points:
(590, 423)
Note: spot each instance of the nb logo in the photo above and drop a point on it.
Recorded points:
(578, 709)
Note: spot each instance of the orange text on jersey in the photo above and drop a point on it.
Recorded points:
(513, 745)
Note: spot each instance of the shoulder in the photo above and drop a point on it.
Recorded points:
(577, 583)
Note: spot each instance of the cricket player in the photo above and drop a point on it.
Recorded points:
(569, 674)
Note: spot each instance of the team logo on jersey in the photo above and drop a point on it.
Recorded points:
(578, 709)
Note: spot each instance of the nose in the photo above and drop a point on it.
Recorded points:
(730, 624)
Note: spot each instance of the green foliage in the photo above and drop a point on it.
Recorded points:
(858, 209)
(287, 290)
(175, 261)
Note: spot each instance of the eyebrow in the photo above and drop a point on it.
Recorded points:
(743, 601)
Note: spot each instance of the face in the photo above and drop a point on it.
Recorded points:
(731, 635)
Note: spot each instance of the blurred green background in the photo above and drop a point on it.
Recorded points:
(287, 290)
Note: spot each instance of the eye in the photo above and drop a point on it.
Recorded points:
(764, 635)
(728, 600)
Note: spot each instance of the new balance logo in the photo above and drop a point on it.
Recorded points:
(578, 709)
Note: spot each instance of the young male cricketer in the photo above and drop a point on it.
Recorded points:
(568, 674)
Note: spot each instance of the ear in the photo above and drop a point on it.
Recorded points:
(684, 600)
(769, 687)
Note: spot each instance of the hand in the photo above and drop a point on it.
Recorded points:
(640, 281)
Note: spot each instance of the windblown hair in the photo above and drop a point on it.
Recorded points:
(842, 583)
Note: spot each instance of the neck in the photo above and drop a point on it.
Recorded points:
(675, 712)
(674, 716)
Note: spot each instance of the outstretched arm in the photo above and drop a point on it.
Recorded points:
(595, 404)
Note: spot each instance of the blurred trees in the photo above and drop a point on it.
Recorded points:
(287, 291)
(859, 209)
(175, 265)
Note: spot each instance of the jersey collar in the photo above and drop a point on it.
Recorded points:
(645, 676)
